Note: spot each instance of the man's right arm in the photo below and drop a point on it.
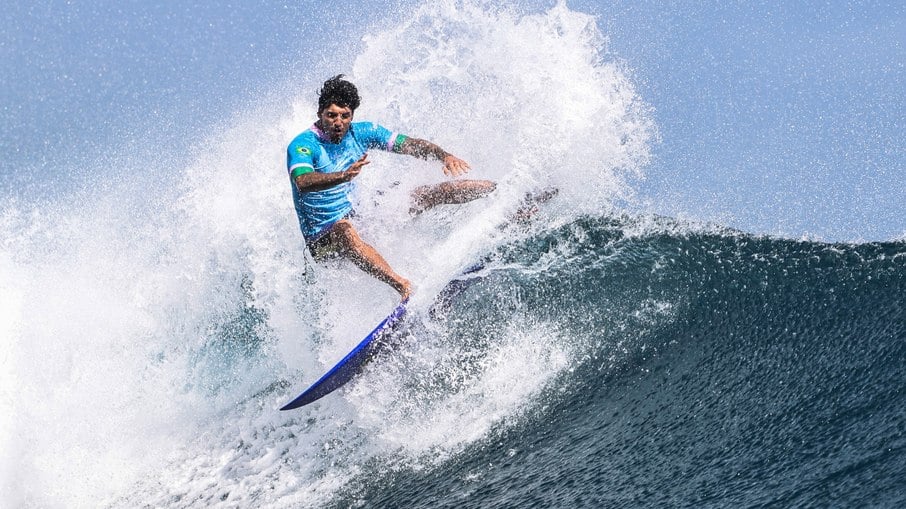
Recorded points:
(315, 181)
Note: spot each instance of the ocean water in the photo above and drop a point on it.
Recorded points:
(604, 356)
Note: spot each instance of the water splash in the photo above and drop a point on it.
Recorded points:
(160, 335)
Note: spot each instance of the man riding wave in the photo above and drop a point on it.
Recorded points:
(323, 162)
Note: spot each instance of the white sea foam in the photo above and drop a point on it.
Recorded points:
(124, 380)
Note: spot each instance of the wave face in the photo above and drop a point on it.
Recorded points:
(705, 368)
(151, 329)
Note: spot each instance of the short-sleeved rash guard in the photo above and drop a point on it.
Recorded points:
(313, 151)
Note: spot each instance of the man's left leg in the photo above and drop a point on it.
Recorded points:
(451, 192)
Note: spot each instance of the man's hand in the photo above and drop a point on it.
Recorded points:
(356, 168)
(454, 166)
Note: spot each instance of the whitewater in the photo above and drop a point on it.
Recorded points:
(603, 357)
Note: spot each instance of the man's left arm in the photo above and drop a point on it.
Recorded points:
(423, 149)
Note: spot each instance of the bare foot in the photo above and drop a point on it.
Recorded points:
(404, 287)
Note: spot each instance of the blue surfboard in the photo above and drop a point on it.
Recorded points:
(352, 364)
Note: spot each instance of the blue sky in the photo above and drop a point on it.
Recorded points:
(784, 117)
(774, 117)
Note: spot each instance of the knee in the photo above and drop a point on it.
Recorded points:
(424, 190)
(344, 233)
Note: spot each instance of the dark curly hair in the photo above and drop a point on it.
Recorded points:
(338, 91)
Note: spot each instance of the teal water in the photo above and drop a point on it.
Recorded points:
(711, 369)
(157, 308)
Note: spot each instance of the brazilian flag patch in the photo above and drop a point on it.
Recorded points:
(303, 151)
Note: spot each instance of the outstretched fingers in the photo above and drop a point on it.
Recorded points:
(454, 166)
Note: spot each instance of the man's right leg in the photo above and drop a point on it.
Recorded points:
(344, 236)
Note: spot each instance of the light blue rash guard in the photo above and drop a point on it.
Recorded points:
(313, 151)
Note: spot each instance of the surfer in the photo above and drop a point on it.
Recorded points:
(324, 160)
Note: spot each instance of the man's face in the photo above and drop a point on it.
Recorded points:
(334, 121)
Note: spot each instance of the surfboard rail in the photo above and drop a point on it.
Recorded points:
(350, 365)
